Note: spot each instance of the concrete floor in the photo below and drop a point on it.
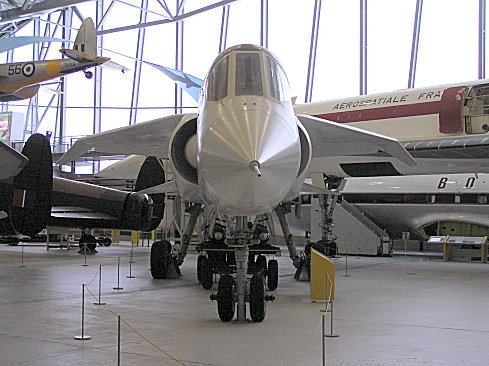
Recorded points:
(390, 311)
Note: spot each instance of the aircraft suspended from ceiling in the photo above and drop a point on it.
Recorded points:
(21, 80)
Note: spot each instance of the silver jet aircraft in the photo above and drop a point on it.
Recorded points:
(244, 155)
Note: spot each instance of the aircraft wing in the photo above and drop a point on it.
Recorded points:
(81, 213)
(168, 187)
(334, 139)
(310, 189)
(12, 161)
(150, 138)
(467, 147)
(114, 65)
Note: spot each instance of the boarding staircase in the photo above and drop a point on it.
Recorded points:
(357, 234)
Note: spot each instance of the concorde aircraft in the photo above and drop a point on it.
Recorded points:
(242, 156)
(21, 80)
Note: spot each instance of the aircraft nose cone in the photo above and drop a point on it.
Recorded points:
(249, 162)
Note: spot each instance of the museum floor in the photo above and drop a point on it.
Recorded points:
(389, 311)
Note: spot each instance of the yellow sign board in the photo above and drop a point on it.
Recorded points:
(322, 277)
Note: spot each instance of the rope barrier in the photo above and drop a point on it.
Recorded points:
(310, 343)
(136, 331)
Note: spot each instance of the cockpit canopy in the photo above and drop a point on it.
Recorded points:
(247, 70)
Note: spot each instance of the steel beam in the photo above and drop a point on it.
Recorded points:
(363, 47)
(415, 43)
(312, 51)
(137, 65)
(482, 39)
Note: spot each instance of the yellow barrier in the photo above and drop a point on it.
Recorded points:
(115, 236)
(322, 277)
(135, 237)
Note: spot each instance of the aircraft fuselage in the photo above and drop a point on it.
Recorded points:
(17, 75)
(248, 151)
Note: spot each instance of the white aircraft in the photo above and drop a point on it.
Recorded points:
(245, 154)
(432, 205)
(21, 80)
(445, 128)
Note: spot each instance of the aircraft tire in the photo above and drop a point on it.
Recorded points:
(206, 273)
(261, 262)
(272, 278)
(200, 258)
(257, 299)
(225, 298)
(160, 258)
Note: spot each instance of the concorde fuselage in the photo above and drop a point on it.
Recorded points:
(247, 156)
(417, 114)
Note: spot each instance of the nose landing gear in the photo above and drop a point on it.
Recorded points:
(242, 288)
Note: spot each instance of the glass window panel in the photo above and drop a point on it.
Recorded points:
(390, 31)
(337, 71)
(278, 81)
(217, 81)
(244, 23)
(248, 74)
(448, 44)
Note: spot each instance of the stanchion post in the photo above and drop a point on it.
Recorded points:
(324, 339)
(118, 340)
(330, 302)
(83, 336)
(130, 270)
(346, 266)
(118, 274)
(22, 257)
(132, 254)
(85, 255)
(99, 287)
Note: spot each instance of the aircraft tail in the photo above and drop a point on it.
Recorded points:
(85, 47)
(86, 38)
(30, 207)
(150, 175)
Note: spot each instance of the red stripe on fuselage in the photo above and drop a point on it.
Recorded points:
(449, 109)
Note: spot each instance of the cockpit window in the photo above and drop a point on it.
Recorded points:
(217, 81)
(248, 74)
(277, 80)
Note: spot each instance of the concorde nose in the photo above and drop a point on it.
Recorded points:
(248, 161)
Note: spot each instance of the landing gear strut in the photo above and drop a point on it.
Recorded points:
(327, 244)
(241, 288)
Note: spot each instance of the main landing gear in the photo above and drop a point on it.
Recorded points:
(236, 250)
